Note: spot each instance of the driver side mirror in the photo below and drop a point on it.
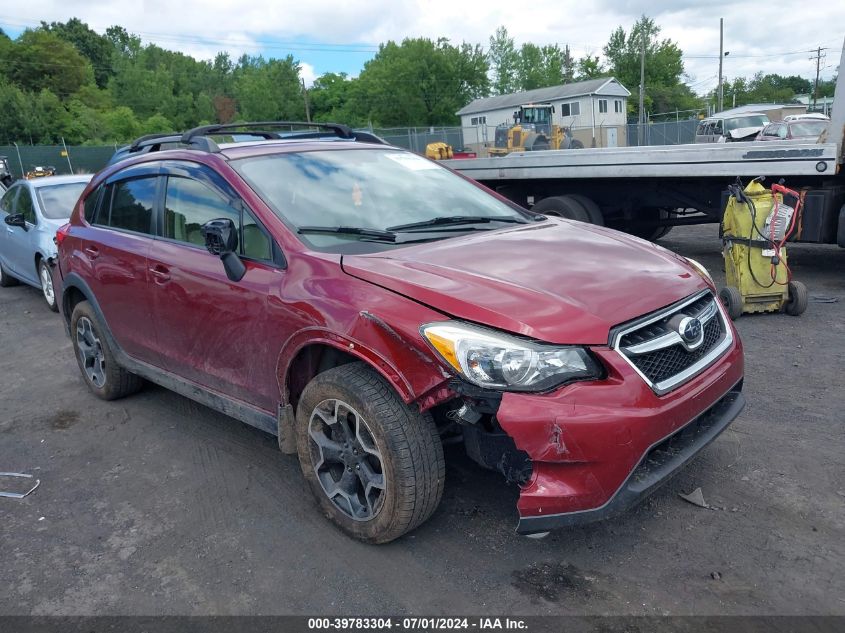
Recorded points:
(16, 219)
(221, 239)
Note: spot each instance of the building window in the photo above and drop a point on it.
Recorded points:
(602, 105)
(478, 120)
(617, 106)
(570, 109)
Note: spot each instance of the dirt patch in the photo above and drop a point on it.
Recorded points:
(552, 581)
(63, 419)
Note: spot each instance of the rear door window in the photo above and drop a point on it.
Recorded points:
(132, 203)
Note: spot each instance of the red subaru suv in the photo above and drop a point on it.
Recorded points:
(365, 304)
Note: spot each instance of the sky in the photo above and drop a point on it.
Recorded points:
(341, 35)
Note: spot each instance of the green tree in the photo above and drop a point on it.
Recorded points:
(664, 68)
(120, 125)
(504, 61)
(41, 60)
(590, 67)
(269, 90)
(99, 49)
(420, 82)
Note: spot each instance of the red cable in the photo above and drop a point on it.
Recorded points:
(787, 233)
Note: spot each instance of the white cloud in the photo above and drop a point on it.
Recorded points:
(307, 74)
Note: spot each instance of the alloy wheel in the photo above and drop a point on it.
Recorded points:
(346, 459)
(47, 284)
(90, 352)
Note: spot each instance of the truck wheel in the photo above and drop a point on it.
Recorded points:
(648, 229)
(732, 301)
(102, 374)
(592, 209)
(7, 280)
(374, 464)
(46, 278)
(798, 298)
(563, 207)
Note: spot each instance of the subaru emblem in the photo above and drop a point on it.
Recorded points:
(690, 330)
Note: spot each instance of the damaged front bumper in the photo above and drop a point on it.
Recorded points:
(597, 449)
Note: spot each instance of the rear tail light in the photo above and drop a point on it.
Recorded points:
(61, 234)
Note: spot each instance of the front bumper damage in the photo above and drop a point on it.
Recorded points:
(593, 450)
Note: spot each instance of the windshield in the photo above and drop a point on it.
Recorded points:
(807, 128)
(752, 120)
(371, 189)
(57, 200)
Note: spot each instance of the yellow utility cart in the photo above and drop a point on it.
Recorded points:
(755, 227)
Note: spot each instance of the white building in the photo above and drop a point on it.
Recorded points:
(595, 110)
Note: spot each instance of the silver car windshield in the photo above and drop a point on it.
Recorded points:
(57, 201)
(367, 188)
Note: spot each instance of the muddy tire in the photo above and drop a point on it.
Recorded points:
(104, 377)
(45, 276)
(7, 280)
(374, 464)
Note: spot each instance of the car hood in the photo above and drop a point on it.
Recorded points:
(745, 132)
(560, 281)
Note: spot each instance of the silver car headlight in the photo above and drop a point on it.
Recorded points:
(493, 360)
(700, 269)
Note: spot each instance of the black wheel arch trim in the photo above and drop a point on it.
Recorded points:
(246, 413)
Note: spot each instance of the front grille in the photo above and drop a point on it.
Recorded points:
(656, 349)
(665, 363)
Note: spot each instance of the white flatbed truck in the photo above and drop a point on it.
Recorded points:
(647, 190)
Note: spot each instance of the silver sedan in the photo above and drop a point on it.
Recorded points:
(31, 211)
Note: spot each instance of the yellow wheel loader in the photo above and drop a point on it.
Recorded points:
(532, 131)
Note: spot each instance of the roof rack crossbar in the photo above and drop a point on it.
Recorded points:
(147, 138)
(340, 130)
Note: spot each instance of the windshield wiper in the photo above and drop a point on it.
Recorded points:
(452, 220)
(373, 234)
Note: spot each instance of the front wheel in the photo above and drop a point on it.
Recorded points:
(46, 277)
(374, 464)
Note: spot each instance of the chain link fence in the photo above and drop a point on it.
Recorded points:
(662, 132)
(76, 160)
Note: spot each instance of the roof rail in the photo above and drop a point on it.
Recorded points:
(198, 135)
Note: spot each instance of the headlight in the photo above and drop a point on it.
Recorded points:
(700, 269)
(498, 361)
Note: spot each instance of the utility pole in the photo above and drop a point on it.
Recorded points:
(818, 57)
(641, 118)
(307, 105)
(721, 57)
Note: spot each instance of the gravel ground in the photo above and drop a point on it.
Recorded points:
(157, 505)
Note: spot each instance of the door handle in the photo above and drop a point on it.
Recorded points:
(92, 251)
(161, 274)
